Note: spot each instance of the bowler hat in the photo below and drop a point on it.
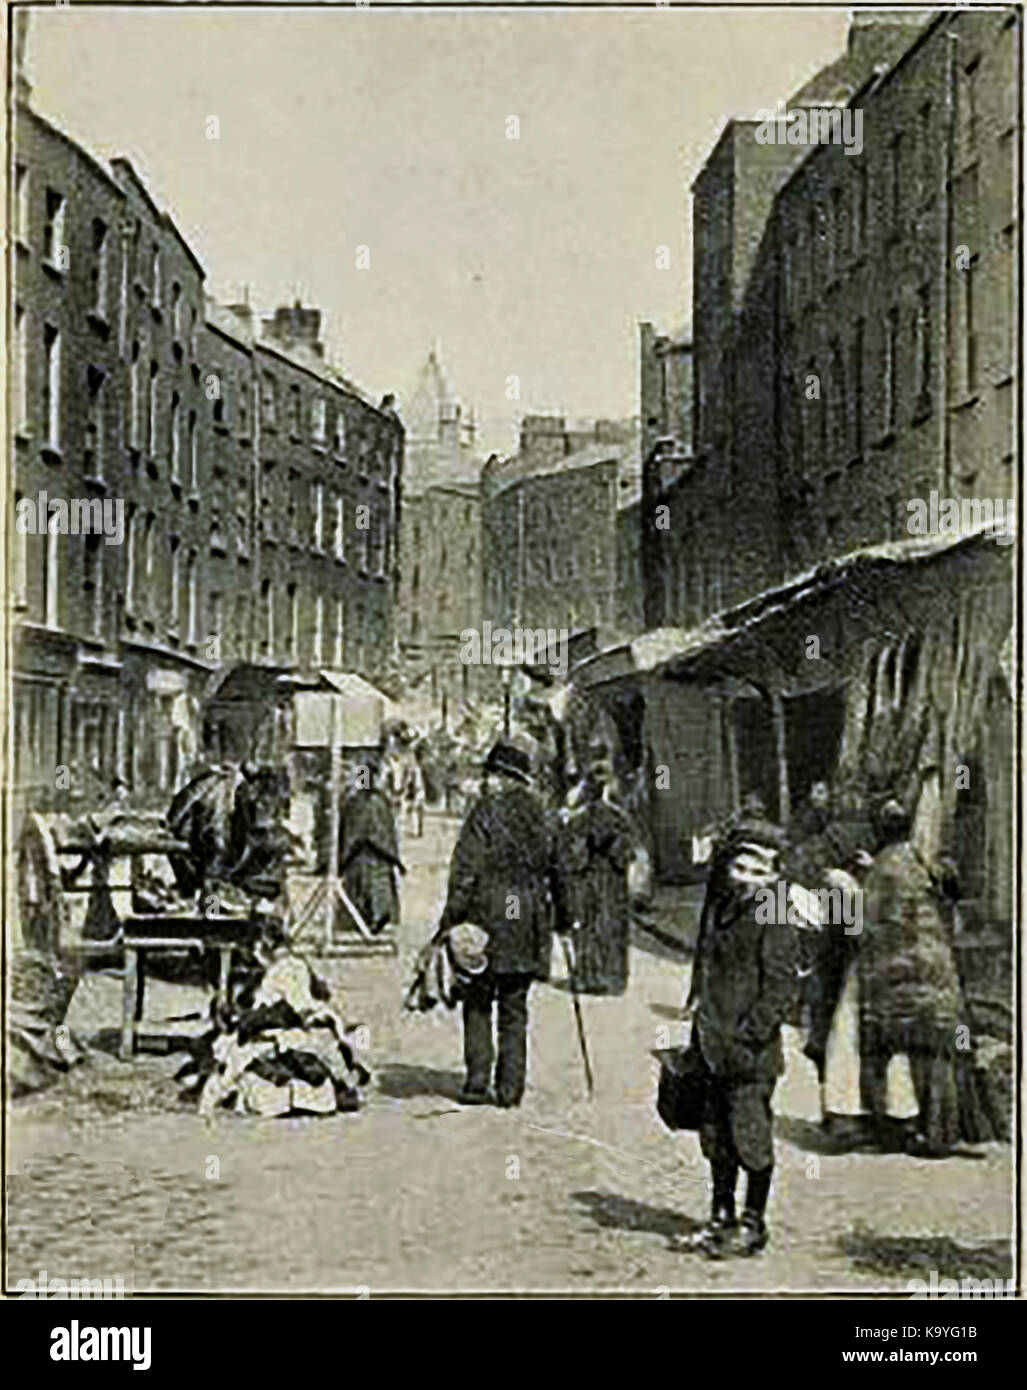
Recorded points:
(510, 761)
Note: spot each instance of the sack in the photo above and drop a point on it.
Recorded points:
(684, 1080)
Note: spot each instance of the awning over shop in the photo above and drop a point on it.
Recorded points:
(792, 638)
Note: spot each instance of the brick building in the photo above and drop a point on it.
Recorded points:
(259, 490)
(813, 262)
(551, 525)
(855, 348)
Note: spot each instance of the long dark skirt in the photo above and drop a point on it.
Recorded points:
(601, 946)
(371, 883)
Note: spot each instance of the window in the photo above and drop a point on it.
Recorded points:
(135, 383)
(148, 544)
(922, 348)
(860, 208)
(54, 250)
(320, 421)
(175, 426)
(92, 579)
(925, 149)
(340, 632)
(21, 204)
(317, 654)
(318, 510)
(839, 411)
(52, 574)
(176, 311)
(968, 108)
(969, 329)
(218, 404)
(896, 182)
(94, 422)
(155, 285)
(151, 442)
(836, 231)
(295, 412)
(52, 386)
(191, 598)
(98, 270)
(20, 369)
(269, 400)
(889, 391)
(267, 604)
(294, 623)
(175, 579)
(215, 619)
(340, 529)
(244, 409)
(340, 432)
(194, 454)
(131, 541)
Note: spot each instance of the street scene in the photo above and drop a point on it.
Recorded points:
(545, 823)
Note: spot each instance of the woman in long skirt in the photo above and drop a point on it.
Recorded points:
(600, 848)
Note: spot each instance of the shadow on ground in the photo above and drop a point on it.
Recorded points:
(623, 1214)
(849, 1134)
(400, 1081)
(922, 1254)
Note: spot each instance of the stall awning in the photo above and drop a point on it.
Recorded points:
(878, 591)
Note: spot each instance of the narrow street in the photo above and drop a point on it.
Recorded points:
(563, 1194)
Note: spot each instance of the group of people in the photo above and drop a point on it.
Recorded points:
(889, 976)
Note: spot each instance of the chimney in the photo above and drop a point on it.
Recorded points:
(296, 326)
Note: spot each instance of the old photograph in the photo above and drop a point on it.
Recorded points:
(512, 659)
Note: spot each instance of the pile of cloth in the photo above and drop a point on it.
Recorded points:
(284, 1050)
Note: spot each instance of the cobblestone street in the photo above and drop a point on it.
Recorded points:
(416, 1193)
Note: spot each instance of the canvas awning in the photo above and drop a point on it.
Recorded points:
(887, 590)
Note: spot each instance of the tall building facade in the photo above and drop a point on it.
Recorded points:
(257, 491)
(854, 317)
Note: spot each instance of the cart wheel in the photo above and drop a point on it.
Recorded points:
(43, 908)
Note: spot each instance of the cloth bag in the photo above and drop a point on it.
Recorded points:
(683, 1085)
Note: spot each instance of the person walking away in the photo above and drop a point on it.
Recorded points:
(413, 792)
(508, 875)
(909, 989)
(369, 850)
(743, 984)
(599, 848)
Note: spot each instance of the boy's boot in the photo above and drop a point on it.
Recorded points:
(751, 1236)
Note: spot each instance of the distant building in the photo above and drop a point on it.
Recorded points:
(552, 525)
(440, 591)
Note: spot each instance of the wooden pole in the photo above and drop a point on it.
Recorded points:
(777, 706)
(335, 791)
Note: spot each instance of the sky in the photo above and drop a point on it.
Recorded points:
(347, 127)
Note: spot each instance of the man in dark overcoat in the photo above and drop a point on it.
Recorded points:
(508, 875)
(743, 985)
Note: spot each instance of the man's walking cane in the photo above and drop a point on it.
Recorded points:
(568, 958)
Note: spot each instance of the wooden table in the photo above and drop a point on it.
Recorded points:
(177, 933)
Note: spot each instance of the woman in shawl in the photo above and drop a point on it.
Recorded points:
(369, 851)
(600, 838)
(909, 987)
